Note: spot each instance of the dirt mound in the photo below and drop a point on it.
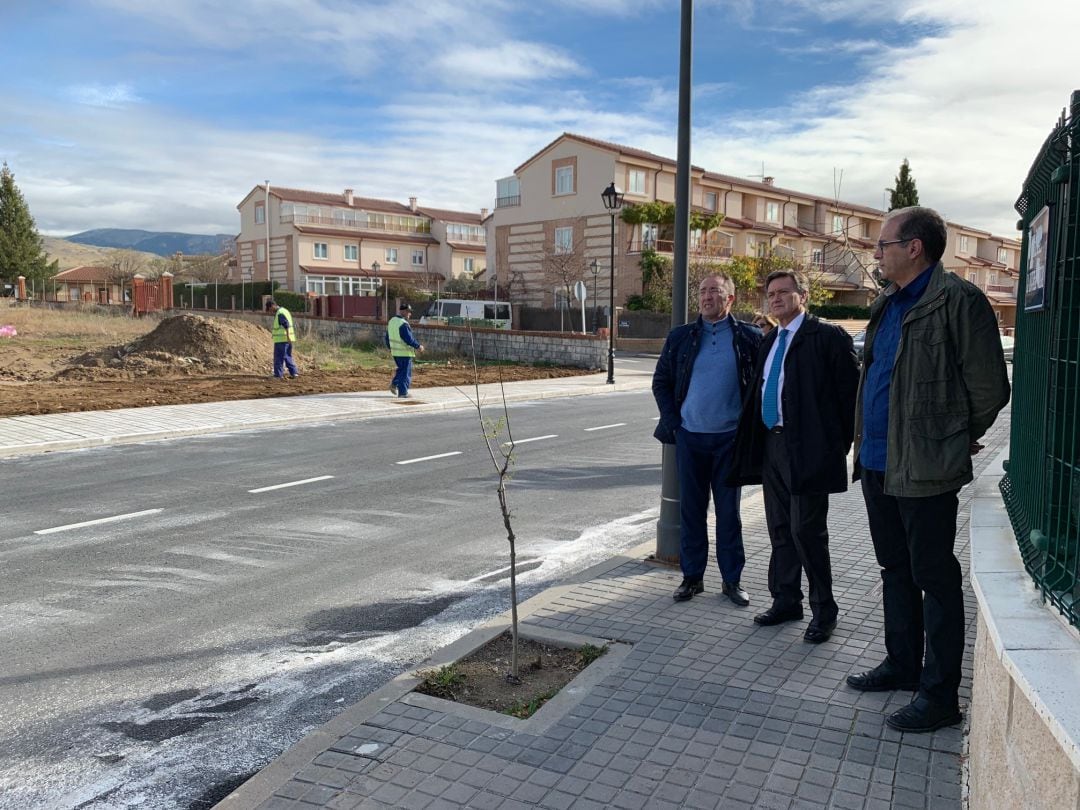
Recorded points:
(184, 344)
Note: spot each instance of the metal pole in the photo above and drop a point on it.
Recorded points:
(668, 527)
(611, 307)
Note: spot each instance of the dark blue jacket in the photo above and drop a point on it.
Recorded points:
(671, 380)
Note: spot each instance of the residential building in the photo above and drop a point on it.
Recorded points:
(90, 284)
(549, 213)
(341, 244)
(989, 262)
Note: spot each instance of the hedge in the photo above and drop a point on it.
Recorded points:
(839, 312)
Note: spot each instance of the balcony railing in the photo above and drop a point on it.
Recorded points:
(359, 225)
(508, 202)
(1000, 288)
(479, 239)
(668, 246)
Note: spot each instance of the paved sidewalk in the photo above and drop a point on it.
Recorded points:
(696, 707)
(24, 435)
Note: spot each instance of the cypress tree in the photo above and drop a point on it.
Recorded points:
(22, 251)
(903, 193)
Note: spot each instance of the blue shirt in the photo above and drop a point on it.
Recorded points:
(875, 425)
(713, 400)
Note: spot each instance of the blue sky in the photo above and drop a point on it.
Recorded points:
(131, 114)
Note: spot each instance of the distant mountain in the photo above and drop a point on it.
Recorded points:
(163, 243)
(68, 254)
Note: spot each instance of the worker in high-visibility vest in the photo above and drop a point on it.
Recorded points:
(403, 346)
(284, 334)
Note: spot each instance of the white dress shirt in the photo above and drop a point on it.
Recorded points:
(792, 328)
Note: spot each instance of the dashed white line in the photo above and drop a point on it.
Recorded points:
(429, 458)
(289, 484)
(605, 427)
(533, 439)
(112, 519)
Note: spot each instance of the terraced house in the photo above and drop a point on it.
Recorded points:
(341, 244)
(549, 212)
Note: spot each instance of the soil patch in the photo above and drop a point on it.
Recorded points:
(481, 679)
(61, 363)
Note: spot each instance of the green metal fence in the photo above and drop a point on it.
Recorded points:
(1041, 487)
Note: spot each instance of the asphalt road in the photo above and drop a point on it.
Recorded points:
(178, 613)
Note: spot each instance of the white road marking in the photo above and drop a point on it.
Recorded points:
(533, 439)
(290, 484)
(429, 458)
(500, 571)
(605, 427)
(112, 519)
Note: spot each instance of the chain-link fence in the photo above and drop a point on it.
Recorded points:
(1042, 485)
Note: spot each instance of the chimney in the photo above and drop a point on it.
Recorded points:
(483, 214)
(768, 180)
(348, 196)
(412, 203)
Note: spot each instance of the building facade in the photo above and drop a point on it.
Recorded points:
(341, 244)
(549, 214)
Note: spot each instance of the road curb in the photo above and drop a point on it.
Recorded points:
(261, 786)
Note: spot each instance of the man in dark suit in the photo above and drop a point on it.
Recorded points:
(794, 435)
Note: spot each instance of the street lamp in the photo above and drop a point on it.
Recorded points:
(613, 200)
(595, 267)
(375, 269)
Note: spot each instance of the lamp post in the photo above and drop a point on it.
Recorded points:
(595, 267)
(375, 269)
(613, 200)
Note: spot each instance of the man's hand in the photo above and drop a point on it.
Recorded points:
(421, 348)
(975, 447)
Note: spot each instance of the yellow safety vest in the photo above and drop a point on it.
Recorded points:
(398, 347)
(284, 334)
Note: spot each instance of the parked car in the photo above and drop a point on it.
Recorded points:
(1006, 345)
(859, 339)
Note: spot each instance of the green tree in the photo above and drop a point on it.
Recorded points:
(22, 251)
(903, 193)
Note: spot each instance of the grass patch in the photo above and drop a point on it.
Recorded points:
(441, 682)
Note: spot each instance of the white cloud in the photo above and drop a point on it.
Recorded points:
(100, 95)
(509, 61)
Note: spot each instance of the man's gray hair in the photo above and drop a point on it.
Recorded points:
(726, 284)
(924, 224)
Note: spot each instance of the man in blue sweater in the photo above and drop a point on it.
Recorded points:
(403, 346)
(699, 385)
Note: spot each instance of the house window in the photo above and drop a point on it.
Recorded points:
(838, 223)
(564, 240)
(817, 258)
(866, 230)
(636, 182)
(963, 244)
(321, 250)
(391, 255)
(260, 252)
(710, 200)
(260, 214)
(564, 180)
(418, 258)
(993, 277)
(316, 284)
(1003, 255)
(973, 277)
(772, 212)
(352, 253)
(469, 265)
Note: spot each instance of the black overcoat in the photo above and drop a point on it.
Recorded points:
(821, 378)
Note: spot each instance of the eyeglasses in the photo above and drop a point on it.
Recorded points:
(882, 245)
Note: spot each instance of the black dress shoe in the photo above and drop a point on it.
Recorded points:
(883, 678)
(687, 590)
(817, 632)
(923, 715)
(736, 594)
(779, 615)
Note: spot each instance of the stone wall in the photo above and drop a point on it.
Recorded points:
(1024, 741)
(576, 351)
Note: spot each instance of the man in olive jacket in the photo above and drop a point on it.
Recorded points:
(794, 435)
(933, 381)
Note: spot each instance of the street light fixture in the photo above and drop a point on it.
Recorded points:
(595, 267)
(613, 200)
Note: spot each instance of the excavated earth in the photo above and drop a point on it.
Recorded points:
(190, 358)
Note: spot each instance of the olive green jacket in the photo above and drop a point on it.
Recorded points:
(948, 384)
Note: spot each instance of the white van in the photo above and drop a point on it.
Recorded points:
(459, 312)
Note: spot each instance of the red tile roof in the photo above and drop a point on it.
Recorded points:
(412, 238)
(446, 215)
(84, 272)
(393, 275)
(325, 198)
